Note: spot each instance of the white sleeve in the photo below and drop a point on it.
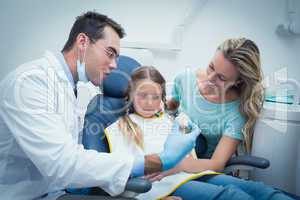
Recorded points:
(40, 131)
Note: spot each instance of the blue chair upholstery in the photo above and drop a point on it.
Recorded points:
(106, 108)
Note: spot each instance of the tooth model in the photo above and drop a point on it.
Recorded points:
(183, 121)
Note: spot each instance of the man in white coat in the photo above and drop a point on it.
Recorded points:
(40, 154)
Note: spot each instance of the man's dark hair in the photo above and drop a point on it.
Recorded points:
(92, 24)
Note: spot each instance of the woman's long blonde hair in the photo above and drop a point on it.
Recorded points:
(244, 55)
(128, 127)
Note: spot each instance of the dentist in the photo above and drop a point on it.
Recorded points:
(40, 154)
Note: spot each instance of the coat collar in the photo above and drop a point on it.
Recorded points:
(54, 63)
(59, 70)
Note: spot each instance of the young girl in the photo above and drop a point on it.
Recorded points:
(145, 131)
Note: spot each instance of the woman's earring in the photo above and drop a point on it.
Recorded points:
(237, 83)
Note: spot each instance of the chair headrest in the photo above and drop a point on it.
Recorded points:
(116, 83)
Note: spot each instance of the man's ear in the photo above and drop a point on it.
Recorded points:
(82, 41)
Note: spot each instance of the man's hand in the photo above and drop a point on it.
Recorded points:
(177, 146)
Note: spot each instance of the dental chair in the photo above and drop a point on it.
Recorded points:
(106, 108)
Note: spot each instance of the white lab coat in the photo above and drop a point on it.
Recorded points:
(39, 150)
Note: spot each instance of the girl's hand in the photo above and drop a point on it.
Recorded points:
(172, 198)
(158, 176)
(179, 168)
(151, 177)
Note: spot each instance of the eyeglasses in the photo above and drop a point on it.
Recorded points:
(111, 53)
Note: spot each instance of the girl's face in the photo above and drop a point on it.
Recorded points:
(147, 98)
(220, 74)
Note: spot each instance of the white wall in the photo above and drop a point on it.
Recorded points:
(29, 27)
(257, 20)
(254, 19)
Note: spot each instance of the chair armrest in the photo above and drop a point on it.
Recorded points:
(252, 161)
(138, 185)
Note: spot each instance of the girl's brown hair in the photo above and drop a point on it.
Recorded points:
(129, 128)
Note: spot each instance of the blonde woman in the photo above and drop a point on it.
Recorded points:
(224, 101)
